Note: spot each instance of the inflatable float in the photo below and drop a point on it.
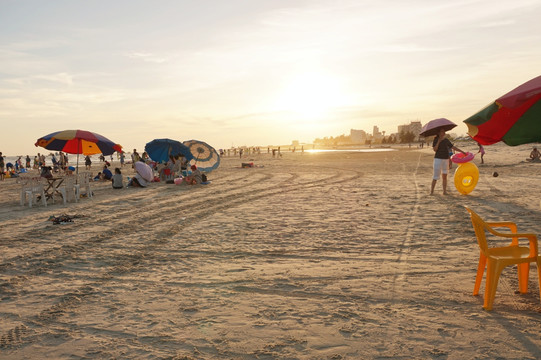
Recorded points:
(466, 177)
(460, 158)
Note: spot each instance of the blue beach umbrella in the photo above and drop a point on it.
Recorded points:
(160, 149)
(205, 156)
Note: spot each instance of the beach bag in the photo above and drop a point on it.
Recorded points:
(203, 177)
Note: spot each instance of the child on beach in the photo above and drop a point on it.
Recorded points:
(482, 151)
(118, 182)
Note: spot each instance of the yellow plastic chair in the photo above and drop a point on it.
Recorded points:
(495, 259)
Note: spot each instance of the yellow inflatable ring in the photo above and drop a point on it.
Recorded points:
(466, 177)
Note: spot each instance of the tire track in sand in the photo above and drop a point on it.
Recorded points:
(129, 260)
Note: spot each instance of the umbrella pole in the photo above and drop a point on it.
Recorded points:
(77, 169)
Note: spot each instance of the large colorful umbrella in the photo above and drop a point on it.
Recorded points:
(160, 149)
(204, 154)
(78, 142)
(433, 126)
(514, 118)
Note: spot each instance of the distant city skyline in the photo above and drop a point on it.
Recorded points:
(236, 73)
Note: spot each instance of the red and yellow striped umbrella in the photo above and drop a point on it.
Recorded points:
(78, 142)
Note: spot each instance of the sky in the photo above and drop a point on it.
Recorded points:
(254, 72)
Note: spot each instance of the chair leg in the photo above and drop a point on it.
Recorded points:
(494, 269)
(480, 272)
(539, 275)
(43, 199)
(64, 194)
(523, 273)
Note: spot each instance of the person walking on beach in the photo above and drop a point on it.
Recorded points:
(482, 151)
(134, 158)
(88, 162)
(122, 157)
(441, 147)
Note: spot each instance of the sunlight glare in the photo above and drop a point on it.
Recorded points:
(311, 96)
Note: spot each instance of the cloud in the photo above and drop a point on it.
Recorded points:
(147, 57)
(61, 78)
(412, 48)
(501, 23)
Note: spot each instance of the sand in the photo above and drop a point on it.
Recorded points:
(311, 256)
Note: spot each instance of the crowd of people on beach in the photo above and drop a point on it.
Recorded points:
(177, 165)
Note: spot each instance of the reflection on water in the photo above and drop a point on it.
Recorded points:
(347, 150)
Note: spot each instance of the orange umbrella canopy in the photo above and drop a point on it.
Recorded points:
(78, 142)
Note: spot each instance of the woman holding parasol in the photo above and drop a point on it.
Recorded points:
(441, 146)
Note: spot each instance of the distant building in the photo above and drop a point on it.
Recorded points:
(414, 127)
(377, 136)
(358, 136)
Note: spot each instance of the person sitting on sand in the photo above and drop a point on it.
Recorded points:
(183, 162)
(69, 170)
(106, 174)
(46, 172)
(535, 155)
(168, 170)
(195, 178)
(138, 181)
(118, 182)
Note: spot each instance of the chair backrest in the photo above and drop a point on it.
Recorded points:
(69, 181)
(84, 178)
(37, 186)
(479, 226)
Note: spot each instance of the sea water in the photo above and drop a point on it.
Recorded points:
(72, 159)
(348, 150)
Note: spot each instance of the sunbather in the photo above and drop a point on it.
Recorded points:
(535, 155)
(195, 177)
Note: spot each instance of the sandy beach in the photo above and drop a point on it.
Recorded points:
(339, 255)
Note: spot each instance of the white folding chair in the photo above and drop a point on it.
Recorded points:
(83, 182)
(68, 189)
(30, 188)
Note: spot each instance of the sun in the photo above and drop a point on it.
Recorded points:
(311, 96)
